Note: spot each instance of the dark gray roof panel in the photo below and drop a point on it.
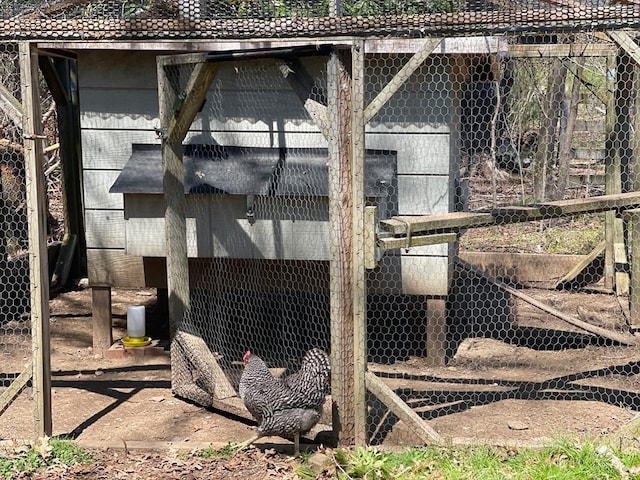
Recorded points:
(210, 169)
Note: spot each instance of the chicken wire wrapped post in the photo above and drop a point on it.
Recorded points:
(346, 213)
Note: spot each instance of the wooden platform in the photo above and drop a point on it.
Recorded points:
(155, 349)
(412, 231)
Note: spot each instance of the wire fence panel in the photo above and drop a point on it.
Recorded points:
(16, 393)
(531, 315)
(257, 212)
(453, 220)
(495, 203)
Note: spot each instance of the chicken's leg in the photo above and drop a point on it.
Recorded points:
(246, 443)
(296, 445)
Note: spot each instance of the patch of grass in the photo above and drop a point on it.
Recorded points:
(565, 460)
(68, 453)
(225, 452)
(578, 236)
(41, 455)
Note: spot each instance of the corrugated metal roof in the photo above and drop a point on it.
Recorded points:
(211, 169)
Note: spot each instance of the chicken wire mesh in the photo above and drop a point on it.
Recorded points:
(88, 20)
(255, 170)
(16, 391)
(496, 330)
(509, 306)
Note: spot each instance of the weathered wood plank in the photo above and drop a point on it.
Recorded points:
(38, 255)
(11, 107)
(624, 41)
(194, 94)
(101, 311)
(358, 121)
(632, 217)
(400, 78)
(339, 94)
(432, 223)
(389, 243)
(412, 420)
(562, 51)
(13, 390)
(400, 225)
(583, 264)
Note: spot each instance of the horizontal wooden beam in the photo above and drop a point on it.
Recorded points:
(561, 50)
(453, 222)
(389, 243)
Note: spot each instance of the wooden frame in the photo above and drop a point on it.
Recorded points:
(36, 196)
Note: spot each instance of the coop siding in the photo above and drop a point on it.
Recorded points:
(422, 194)
(96, 190)
(115, 267)
(120, 107)
(105, 228)
(111, 149)
(109, 68)
(418, 153)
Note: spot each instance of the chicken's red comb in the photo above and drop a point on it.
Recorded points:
(246, 356)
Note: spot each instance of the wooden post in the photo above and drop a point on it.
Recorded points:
(175, 119)
(101, 308)
(359, 244)
(37, 219)
(612, 186)
(346, 141)
(436, 344)
(632, 217)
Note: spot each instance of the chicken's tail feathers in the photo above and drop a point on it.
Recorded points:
(316, 364)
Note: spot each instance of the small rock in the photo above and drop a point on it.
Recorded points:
(157, 399)
(517, 425)
(318, 462)
(98, 373)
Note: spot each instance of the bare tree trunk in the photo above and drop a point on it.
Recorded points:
(544, 171)
(566, 134)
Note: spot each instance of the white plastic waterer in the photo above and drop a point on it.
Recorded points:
(135, 321)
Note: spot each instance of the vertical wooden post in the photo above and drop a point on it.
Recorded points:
(359, 244)
(37, 219)
(101, 308)
(436, 343)
(175, 220)
(346, 214)
(612, 185)
(617, 170)
(176, 119)
(632, 218)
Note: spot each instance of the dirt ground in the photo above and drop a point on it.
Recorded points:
(540, 379)
(495, 391)
(123, 410)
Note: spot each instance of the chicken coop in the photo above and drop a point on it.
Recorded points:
(359, 181)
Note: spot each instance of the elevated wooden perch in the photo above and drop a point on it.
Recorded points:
(454, 222)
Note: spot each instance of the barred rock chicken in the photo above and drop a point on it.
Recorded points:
(285, 407)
